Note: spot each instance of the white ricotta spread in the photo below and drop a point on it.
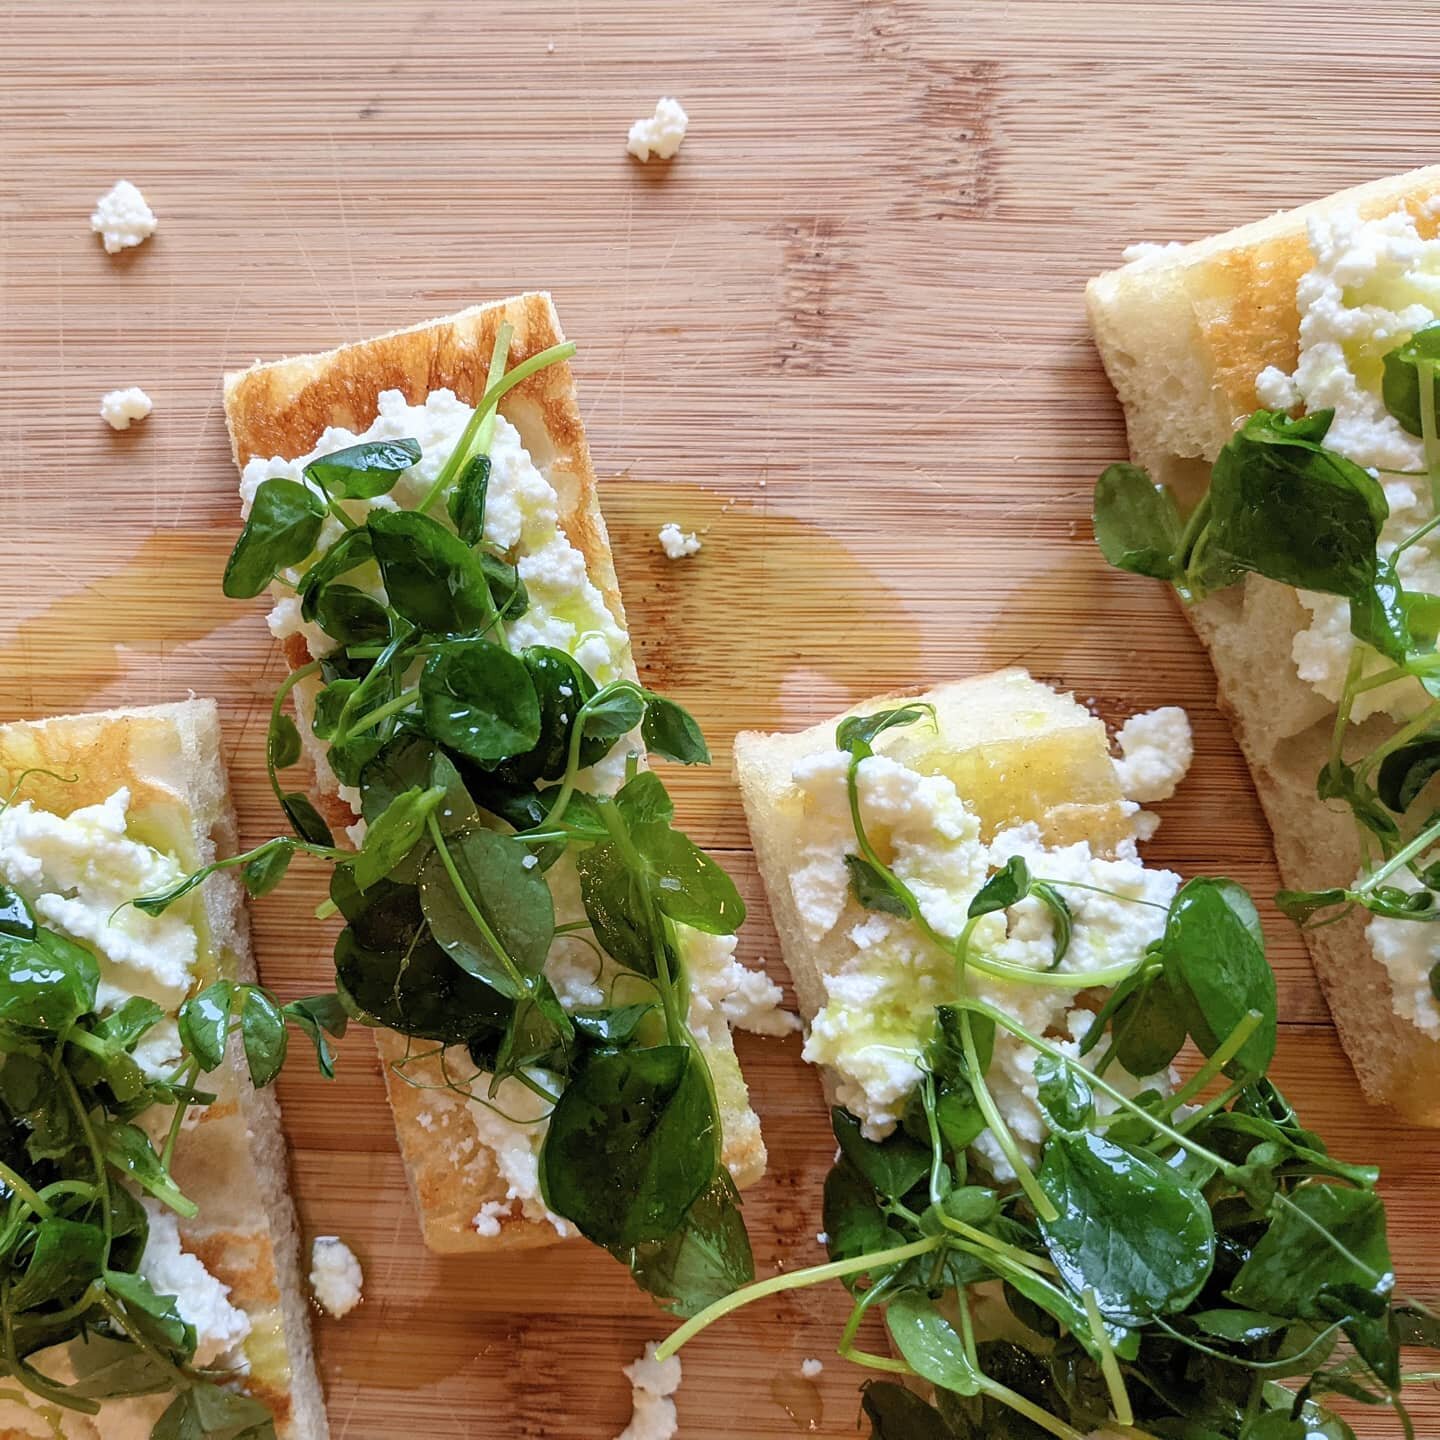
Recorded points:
(677, 543)
(659, 134)
(1156, 749)
(1144, 253)
(725, 994)
(1409, 950)
(811, 1369)
(335, 1275)
(653, 1383)
(76, 871)
(122, 218)
(202, 1300)
(511, 1124)
(885, 980)
(1374, 283)
(119, 407)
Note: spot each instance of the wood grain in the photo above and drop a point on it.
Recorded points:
(842, 334)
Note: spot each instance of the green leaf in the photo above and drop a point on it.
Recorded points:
(511, 896)
(266, 868)
(479, 700)
(644, 798)
(319, 1016)
(15, 915)
(352, 550)
(1284, 506)
(873, 888)
(1405, 366)
(284, 524)
(1302, 906)
(707, 1258)
(204, 1023)
(262, 1029)
(1239, 1327)
(614, 899)
(126, 1025)
(206, 1412)
(1338, 781)
(687, 884)
(1128, 1228)
(156, 1316)
(855, 1223)
(391, 836)
(305, 819)
(127, 1148)
(1006, 887)
(330, 704)
(363, 471)
(1405, 772)
(66, 1257)
(670, 731)
(632, 1143)
(896, 1413)
(1298, 1263)
(1064, 1097)
(1136, 523)
(613, 712)
(466, 503)
(893, 1166)
(1214, 947)
(615, 1027)
(1061, 919)
(561, 688)
(431, 576)
(46, 983)
(930, 1345)
(351, 617)
(540, 1033)
(857, 733)
(1150, 1024)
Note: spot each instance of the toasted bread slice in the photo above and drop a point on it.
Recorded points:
(1016, 751)
(282, 409)
(231, 1158)
(1183, 335)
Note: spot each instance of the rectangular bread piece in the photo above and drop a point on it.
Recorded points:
(231, 1158)
(1017, 753)
(281, 410)
(1184, 334)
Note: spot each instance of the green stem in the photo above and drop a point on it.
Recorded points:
(1012, 1253)
(1426, 375)
(1044, 1206)
(372, 718)
(24, 1191)
(333, 505)
(1017, 1402)
(192, 1073)
(794, 1280)
(1219, 1102)
(1231, 1046)
(1403, 736)
(1347, 701)
(30, 1378)
(1402, 857)
(276, 706)
(512, 970)
(92, 1142)
(1109, 1366)
(488, 401)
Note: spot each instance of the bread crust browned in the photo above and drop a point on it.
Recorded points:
(231, 1160)
(282, 409)
(1183, 338)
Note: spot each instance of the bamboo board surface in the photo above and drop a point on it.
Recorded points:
(841, 336)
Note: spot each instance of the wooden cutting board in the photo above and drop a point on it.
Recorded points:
(841, 336)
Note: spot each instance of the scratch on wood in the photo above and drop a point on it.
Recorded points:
(950, 173)
(814, 263)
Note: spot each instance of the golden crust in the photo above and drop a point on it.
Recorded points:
(282, 409)
(169, 758)
(1183, 339)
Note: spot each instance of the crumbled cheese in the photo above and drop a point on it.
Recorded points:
(119, 407)
(822, 1237)
(1157, 748)
(78, 872)
(512, 1126)
(725, 994)
(487, 1219)
(811, 1369)
(1408, 950)
(122, 218)
(659, 134)
(1373, 283)
(653, 1382)
(202, 1300)
(882, 987)
(677, 543)
(335, 1275)
(1149, 252)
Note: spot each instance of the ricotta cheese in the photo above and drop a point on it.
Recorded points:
(677, 543)
(653, 1382)
(119, 407)
(335, 1275)
(122, 218)
(883, 982)
(1373, 283)
(511, 1124)
(77, 872)
(1408, 951)
(811, 1369)
(1156, 749)
(1144, 253)
(659, 134)
(202, 1300)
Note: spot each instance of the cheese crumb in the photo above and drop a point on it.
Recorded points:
(335, 1275)
(122, 218)
(119, 407)
(677, 543)
(811, 1369)
(487, 1220)
(1148, 252)
(1157, 748)
(661, 133)
(653, 1383)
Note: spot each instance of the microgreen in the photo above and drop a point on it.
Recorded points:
(473, 755)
